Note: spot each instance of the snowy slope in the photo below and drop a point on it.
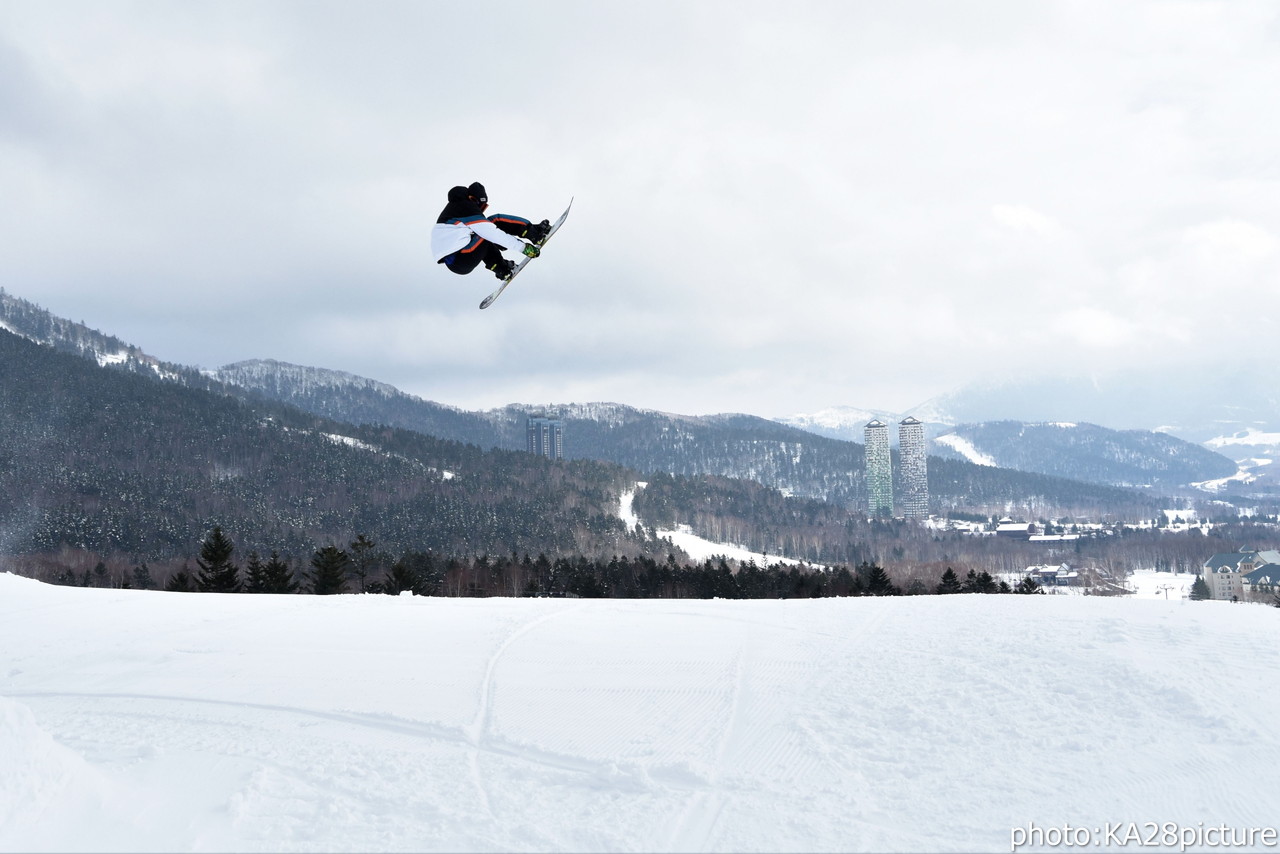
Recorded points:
(1255, 452)
(965, 449)
(696, 547)
(147, 721)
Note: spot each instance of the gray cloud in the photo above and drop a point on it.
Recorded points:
(778, 208)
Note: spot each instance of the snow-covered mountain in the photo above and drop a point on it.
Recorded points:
(747, 447)
(359, 400)
(742, 445)
(282, 378)
(1196, 404)
(36, 324)
(1137, 458)
(1255, 453)
(839, 422)
(1234, 411)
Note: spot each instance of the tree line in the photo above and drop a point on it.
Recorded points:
(361, 567)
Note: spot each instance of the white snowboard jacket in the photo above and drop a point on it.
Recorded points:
(450, 237)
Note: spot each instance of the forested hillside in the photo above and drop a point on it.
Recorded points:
(786, 458)
(357, 400)
(808, 466)
(110, 461)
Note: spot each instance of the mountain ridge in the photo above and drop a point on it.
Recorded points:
(1136, 458)
(733, 445)
(780, 455)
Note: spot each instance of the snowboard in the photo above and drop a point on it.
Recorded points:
(555, 226)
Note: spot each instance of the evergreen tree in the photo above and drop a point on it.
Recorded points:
(142, 578)
(844, 584)
(950, 583)
(253, 570)
(1199, 590)
(277, 576)
(859, 587)
(217, 573)
(582, 581)
(431, 574)
(330, 576)
(418, 573)
(1028, 585)
(180, 582)
(362, 560)
(274, 576)
(878, 583)
(1275, 599)
(401, 578)
(982, 582)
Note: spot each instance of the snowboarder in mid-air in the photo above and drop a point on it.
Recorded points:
(465, 237)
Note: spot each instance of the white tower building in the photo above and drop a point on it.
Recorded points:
(879, 469)
(915, 469)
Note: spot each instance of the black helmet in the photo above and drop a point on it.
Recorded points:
(476, 191)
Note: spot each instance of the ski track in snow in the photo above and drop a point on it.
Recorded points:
(144, 721)
(478, 732)
(692, 831)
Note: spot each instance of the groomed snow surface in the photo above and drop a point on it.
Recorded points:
(151, 721)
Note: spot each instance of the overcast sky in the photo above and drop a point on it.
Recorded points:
(780, 207)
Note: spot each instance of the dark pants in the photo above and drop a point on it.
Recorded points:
(465, 260)
(482, 251)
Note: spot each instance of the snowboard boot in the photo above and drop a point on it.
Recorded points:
(502, 268)
(537, 232)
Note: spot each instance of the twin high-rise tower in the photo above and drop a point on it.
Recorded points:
(914, 473)
(879, 470)
(913, 478)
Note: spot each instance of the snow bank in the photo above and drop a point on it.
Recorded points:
(134, 720)
(39, 774)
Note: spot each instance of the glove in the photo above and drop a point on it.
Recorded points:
(531, 250)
